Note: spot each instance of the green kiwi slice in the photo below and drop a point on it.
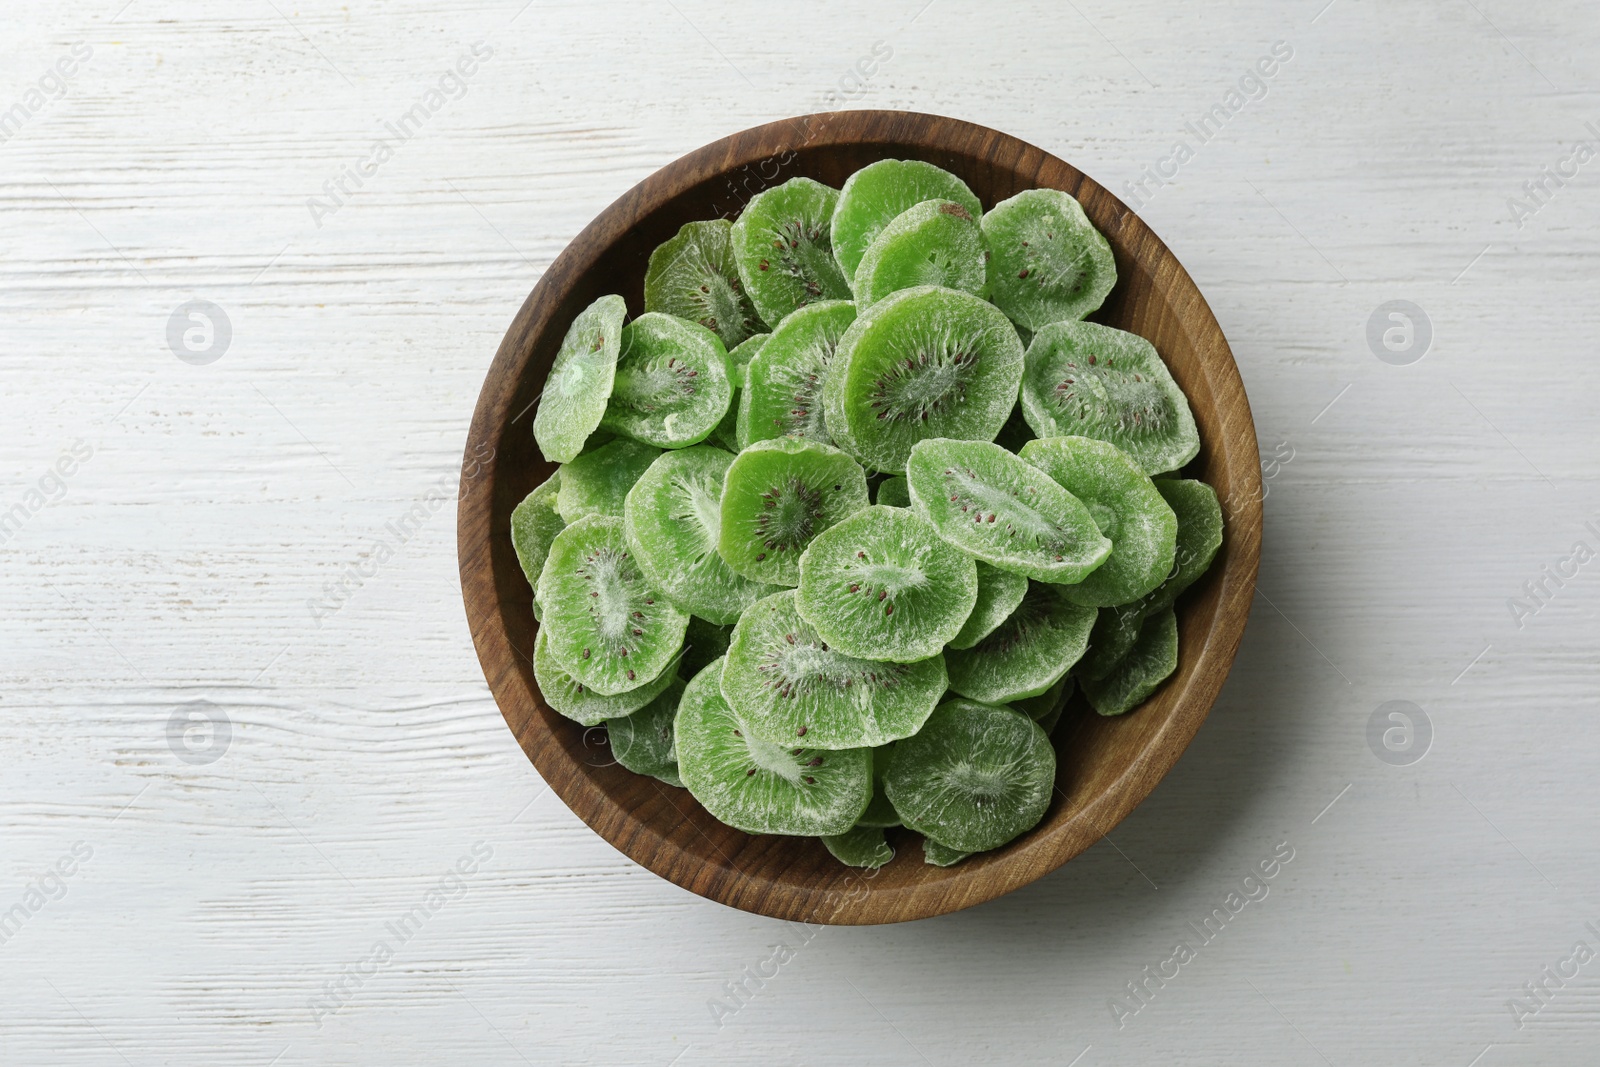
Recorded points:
(1006, 512)
(534, 524)
(937, 855)
(936, 242)
(672, 385)
(782, 394)
(1115, 631)
(727, 432)
(739, 357)
(894, 492)
(880, 814)
(787, 683)
(609, 627)
(1090, 380)
(1126, 506)
(1047, 262)
(864, 846)
(883, 585)
(974, 778)
(580, 380)
(762, 788)
(1151, 661)
(1046, 709)
(777, 496)
(880, 192)
(703, 642)
(672, 519)
(921, 363)
(597, 482)
(1199, 516)
(693, 276)
(1026, 654)
(784, 250)
(577, 701)
(642, 742)
(1199, 536)
(999, 593)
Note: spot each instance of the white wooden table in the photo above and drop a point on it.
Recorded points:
(236, 890)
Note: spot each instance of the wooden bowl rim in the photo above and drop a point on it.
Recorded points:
(850, 899)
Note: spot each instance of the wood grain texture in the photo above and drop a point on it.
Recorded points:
(367, 754)
(1106, 767)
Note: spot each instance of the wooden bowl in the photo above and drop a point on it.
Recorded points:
(1106, 766)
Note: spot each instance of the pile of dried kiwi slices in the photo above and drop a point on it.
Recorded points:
(786, 563)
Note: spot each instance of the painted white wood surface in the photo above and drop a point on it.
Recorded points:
(219, 900)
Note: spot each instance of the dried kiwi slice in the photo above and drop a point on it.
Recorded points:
(786, 683)
(880, 814)
(1126, 506)
(740, 356)
(1047, 262)
(936, 242)
(921, 363)
(999, 593)
(580, 380)
(1199, 536)
(937, 855)
(974, 778)
(693, 276)
(609, 628)
(1026, 654)
(879, 192)
(1093, 381)
(882, 585)
(727, 432)
(784, 251)
(673, 518)
(643, 742)
(534, 524)
(1006, 512)
(863, 846)
(577, 701)
(777, 496)
(1046, 709)
(893, 493)
(1151, 661)
(1113, 635)
(782, 394)
(758, 787)
(672, 385)
(597, 482)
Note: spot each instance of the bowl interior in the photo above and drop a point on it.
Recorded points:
(1105, 767)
